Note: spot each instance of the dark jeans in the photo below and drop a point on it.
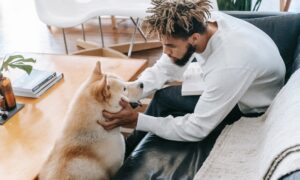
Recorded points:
(168, 101)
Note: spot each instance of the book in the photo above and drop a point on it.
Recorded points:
(193, 82)
(36, 86)
(33, 82)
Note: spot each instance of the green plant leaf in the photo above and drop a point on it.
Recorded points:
(26, 68)
(17, 61)
(257, 5)
(11, 58)
(30, 60)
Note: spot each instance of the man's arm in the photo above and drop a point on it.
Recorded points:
(223, 90)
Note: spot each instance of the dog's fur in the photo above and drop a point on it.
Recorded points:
(85, 150)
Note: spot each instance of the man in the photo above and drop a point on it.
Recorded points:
(241, 68)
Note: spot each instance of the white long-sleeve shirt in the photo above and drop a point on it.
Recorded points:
(241, 65)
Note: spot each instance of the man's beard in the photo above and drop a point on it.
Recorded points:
(186, 57)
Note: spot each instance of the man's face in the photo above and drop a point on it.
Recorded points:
(178, 50)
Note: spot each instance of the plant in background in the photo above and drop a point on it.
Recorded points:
(17, 61)
(7, 97)
(238, 5)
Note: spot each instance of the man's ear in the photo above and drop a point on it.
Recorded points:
(97, 69)
(194, 38)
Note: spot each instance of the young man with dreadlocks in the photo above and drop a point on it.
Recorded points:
(241, 68)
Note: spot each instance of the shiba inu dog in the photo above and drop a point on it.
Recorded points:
(85, 150)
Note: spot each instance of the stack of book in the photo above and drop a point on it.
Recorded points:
(35, 84)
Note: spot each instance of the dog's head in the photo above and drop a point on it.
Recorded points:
(109, 89)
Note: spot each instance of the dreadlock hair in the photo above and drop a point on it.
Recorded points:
(177, 18)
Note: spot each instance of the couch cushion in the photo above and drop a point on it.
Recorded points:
(284, 30)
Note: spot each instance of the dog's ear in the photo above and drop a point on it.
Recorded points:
(101, 90)
(106, 90)
(97, 69)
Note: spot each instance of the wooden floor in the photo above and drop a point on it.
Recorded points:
(22, 31)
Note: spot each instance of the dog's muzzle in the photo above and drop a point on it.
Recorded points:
(135, 104)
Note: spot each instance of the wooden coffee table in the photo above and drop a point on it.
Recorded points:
(28, 137)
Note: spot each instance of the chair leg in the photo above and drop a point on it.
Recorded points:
(83, 31)
(127, 48)
(139, 29)
(101, 32)
(133, 37)
(65, 41)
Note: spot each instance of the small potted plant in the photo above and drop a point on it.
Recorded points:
(7, 97)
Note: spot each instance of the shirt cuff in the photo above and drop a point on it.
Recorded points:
(147, 123)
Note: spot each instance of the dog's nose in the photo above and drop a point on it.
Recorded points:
(141, 85)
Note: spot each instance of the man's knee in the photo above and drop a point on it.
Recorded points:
(164, 95)
(157, 96)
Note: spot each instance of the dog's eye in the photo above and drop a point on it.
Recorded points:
(124, 89)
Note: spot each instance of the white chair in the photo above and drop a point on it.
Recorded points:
(70, 13)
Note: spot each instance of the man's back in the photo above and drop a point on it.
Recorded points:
(240, 49)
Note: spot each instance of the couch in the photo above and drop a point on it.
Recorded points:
(157, 158)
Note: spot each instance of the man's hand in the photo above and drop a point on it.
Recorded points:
(127, 117)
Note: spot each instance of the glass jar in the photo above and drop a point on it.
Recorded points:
(7, 92)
